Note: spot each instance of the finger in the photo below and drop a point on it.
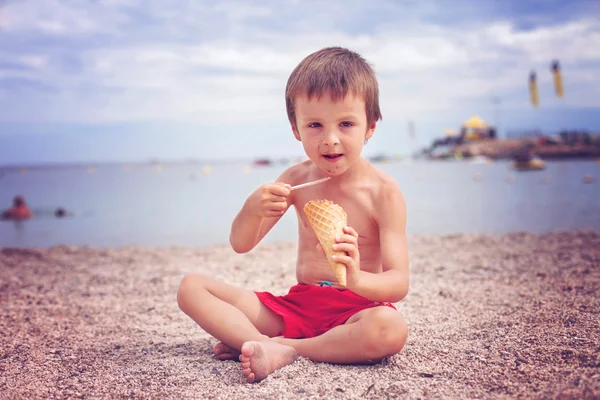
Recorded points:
(286, 185)
(346, 239)
(270, 197)
(349, 230)
(350, 249)
(273, 214)
(320, 249)
(346, 260)
(277, 206)
(280, 189)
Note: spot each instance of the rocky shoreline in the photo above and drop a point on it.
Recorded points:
(497, 149)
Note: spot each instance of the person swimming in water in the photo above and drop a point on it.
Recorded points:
(19, 211)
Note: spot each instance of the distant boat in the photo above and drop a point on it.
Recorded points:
(262, 161)
(531, 163)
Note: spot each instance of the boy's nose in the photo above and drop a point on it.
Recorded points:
(330, 138)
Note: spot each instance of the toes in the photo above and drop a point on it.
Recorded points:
(248, 374)
(248, 349)
(246, 364)
(222, 348)
(244, 358)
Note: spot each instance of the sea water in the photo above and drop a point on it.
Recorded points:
(194, 204)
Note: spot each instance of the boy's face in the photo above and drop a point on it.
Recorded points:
(332, 133)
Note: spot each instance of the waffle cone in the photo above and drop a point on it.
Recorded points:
(328, 221)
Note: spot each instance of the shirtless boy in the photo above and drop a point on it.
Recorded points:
(333, 107)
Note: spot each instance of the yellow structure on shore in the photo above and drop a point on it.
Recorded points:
(476, 128)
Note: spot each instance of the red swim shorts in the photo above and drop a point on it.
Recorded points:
(310, 311)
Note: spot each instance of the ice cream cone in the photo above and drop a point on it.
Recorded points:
(328, 221)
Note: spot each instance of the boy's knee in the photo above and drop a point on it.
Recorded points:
(397, 335)
(189, 285)
(388, 331)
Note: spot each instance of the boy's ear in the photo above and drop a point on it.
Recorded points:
(371, 130)
(296, 134)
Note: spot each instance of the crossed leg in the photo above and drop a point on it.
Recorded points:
(245, 327)
(236, 316)
(366, 338)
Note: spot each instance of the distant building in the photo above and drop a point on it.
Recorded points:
(473, 129)
(476, 128)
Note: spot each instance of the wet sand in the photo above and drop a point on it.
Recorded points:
(489, 317)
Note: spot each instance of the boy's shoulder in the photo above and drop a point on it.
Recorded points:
(383, 182)
(297, 173)
(385, 189)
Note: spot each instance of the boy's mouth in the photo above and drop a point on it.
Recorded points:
(333, 157)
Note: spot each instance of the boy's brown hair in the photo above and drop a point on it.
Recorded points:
(337, 72)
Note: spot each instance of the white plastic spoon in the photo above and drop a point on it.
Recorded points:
(310, 183)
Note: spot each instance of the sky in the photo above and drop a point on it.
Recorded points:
(133, 80)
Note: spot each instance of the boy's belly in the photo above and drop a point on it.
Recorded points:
(312, 267)
(316, 272)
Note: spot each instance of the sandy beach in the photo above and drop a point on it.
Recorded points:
(506, 316)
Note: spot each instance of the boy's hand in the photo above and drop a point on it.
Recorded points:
(270, 200)
(348, 243)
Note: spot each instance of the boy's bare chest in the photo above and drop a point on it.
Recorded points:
(359, 210)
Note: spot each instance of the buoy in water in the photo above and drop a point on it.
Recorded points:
(510, 180)
(207, 170)
(588, 179)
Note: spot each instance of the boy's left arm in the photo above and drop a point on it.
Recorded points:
(392, 284)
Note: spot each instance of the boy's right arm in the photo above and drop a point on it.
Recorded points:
(261, 211)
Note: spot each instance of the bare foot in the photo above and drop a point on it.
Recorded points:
(259, 359)
(224, 352)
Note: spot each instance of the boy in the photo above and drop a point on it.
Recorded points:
(333, 107)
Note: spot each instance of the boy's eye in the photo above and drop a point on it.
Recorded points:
(314, 125)
(346, 124)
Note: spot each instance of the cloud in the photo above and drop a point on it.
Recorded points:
(227, 62)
